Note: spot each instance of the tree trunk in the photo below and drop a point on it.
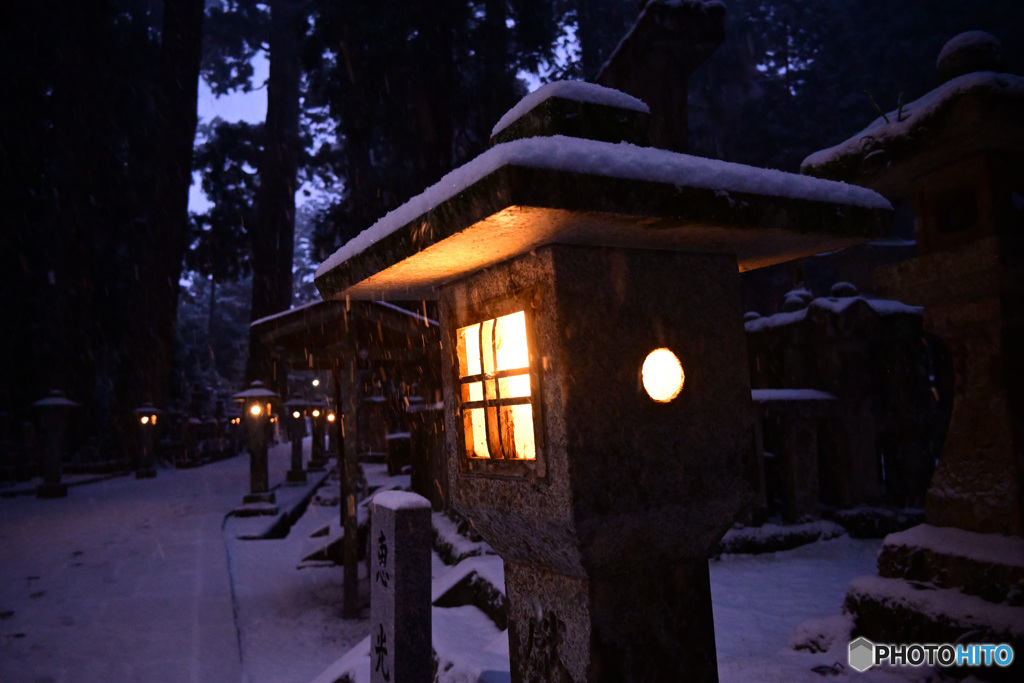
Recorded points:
(161, 239)
(273, 242)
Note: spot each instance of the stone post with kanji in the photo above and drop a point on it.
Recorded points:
(400, 638)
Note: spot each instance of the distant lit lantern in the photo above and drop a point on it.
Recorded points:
(316, 412)
(147, 425)
(494, 389)
(316, 382)
(330, 417)
(256, 400)
(662, 375)
(296, 414)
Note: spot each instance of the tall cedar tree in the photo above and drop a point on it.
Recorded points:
(97, 145)
(273, 241)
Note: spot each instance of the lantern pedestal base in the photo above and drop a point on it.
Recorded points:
(265, 497)
(52, 490)
(647, 625)
(296, 477)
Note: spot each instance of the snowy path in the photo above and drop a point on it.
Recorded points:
(131, 580)
(123, 580)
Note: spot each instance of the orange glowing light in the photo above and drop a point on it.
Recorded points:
(494, 375)
(662, 375)
(255, 409)
(145, 419)
(296, 414)
(316, 413)
(330, 417)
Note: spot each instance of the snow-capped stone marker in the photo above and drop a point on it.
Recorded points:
(400, 626)
(561, 263)
(54, 412)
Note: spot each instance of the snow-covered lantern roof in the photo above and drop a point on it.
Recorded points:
(55, 399)
(296, 406)
(956, 152)
(147, 414)
(557, 189)
(257, 400)
(561, 264)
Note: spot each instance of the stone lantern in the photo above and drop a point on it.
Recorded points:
(147, 417)
(596, 391)
(318, 427)
(295, 418)
(256, 408)
(957, 156)
(54, 413)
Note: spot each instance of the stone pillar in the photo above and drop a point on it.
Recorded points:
(801, 497)
(348, 469)
(147, 463)
(318, 457)
(53, 423)
(400, 636)
(54, 413)
(259, 475)
(296, 431)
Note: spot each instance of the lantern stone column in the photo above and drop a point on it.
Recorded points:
(54, 412)
(295, 417)
(606, 533)
(318, 426)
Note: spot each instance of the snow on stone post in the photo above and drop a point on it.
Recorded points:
(54, 412)
(400, 638)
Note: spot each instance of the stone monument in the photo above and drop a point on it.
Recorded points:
(400, 620)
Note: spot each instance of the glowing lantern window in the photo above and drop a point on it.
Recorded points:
(662, 375)
(495, 389)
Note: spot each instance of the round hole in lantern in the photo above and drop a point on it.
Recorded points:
(316, 383)
(296, 414)
(255, 410)
(662, 375)
(144, 419)
(316, 413)
(330, 417)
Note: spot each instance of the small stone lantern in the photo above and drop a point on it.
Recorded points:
(256, 408)
(147, 417)
(54, 413)
(295, 418)
(597, 398)
(318, 428)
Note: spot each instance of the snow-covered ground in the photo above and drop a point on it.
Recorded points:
(152, 580)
